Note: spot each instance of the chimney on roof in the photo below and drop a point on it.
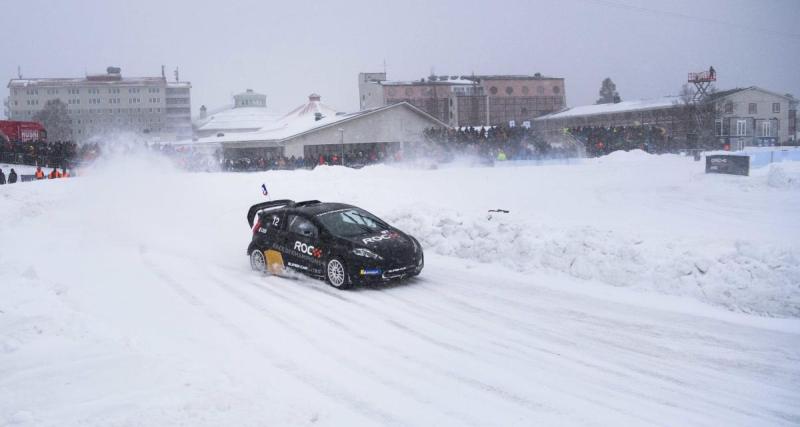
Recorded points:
(314, 97)
(317, 116)
(114, 70)
(203, 112)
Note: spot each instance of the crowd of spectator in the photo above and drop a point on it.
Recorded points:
(496, 143)
(490, 144)
(57, 154)
(603, 140)
(354, 158)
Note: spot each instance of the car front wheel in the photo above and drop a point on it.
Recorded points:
(336, 274)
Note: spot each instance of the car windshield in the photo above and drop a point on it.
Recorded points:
(351, 223)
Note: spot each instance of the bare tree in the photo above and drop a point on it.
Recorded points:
(55, 120)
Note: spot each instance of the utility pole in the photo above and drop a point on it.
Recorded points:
(341, 141)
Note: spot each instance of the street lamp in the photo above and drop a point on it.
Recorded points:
(341, 141)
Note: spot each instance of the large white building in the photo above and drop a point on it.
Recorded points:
(313, 129)
(103, 104)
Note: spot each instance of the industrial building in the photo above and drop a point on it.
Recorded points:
(474, 100)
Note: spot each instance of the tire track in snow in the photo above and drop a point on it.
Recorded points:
(475, 384)
(357, 368)
(318, 384)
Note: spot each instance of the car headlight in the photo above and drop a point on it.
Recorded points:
(417, 248)
(366, 253)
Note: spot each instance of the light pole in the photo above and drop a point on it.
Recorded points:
(341, 141)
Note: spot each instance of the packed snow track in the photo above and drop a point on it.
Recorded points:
(126, 298)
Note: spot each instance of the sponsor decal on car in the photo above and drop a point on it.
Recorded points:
(297, 266)
(383, 236)
(307, 249)
(370, 272)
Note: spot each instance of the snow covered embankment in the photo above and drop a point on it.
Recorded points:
(743, 276)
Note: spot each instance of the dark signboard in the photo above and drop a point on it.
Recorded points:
(727, 163)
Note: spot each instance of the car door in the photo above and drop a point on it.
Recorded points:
(304, 244)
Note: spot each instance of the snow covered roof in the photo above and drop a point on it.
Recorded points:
(83, 81)
(313, 106)
(457, 81)
(242, 118)
(620, 107)
(301, 121)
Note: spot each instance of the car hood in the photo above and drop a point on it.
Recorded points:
(388, 243)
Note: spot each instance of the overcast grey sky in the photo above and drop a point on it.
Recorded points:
(289, 49)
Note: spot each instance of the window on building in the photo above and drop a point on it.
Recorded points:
(776, 107)
(509, 90)
(752, 108)
(556, 90)
(766, 128)
(741, 127)
(493, 90)
(729, 107)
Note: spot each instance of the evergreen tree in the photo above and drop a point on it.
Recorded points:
(608, 93)
(55, 120)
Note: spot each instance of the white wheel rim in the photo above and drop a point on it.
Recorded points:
(336, 273)
(257, 261)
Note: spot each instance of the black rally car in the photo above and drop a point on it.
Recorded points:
(340, 243)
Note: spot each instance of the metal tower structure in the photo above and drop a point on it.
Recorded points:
(702, 81)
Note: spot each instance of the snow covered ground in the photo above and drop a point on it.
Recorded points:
(626, 290)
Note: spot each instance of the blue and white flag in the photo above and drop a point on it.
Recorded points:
(264, 189)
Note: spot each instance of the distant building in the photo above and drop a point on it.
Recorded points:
(106, 103)
(313, 129)
(249, 98)
(754, 117)
(473, 100)
(742, 117)
(248, 113)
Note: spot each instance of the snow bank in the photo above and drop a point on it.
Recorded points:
(784, 175)
(741, 275)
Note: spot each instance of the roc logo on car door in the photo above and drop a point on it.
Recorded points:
(307, 249)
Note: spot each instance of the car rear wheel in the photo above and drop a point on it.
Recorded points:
(336, 274)
(257, 261)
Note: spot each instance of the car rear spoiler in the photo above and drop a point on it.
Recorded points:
(251, 214)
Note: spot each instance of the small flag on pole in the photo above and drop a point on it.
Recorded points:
(264, 189)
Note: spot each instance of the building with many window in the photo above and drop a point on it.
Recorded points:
(741, 117)
(754, 117)
(104, 104)
(473, 100)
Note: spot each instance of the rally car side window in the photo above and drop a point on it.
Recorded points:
(302, 226)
